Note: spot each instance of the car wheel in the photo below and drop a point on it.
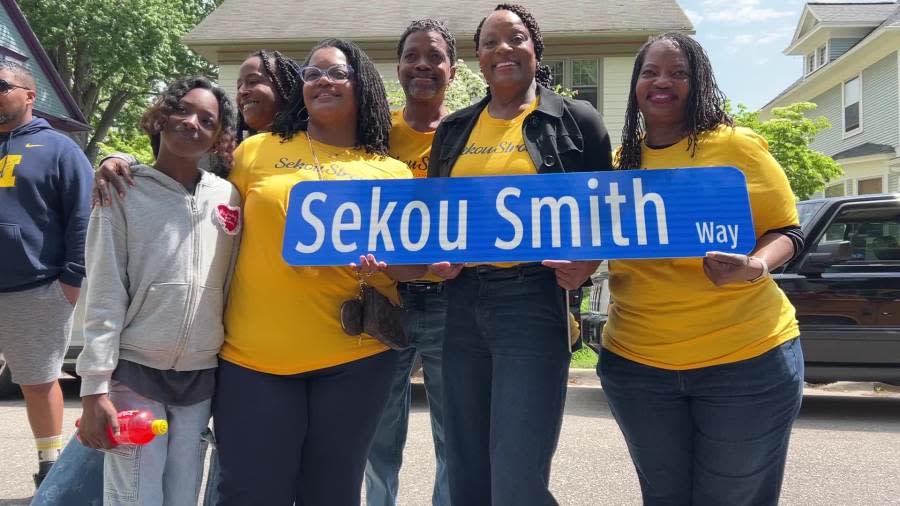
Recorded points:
(7, 387)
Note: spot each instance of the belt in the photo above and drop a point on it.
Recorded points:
(419, 287)
(491, 273)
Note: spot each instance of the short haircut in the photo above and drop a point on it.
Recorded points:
(429, 25)
(21, 72)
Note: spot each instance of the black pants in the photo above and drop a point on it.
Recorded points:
(301, 438)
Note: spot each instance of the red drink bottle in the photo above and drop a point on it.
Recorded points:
(135, 428)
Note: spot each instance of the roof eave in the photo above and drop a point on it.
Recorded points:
(43, 61)
(826, 71)
(792, 49)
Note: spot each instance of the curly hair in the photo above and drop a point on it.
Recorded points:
(373, 121)
(283, 72)
(429, 25)
(542, 75)
(154, 120)
(704, 111)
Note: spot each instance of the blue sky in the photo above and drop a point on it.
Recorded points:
(745, 40)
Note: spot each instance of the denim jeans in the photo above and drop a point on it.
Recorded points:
(300, 438)
(427, 312)
(506, 360)
(710, 436)
(76, 478)
(166, 471)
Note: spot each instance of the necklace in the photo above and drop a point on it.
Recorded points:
(315, 158)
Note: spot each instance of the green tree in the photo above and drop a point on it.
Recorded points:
(114, 54)
(789, 132)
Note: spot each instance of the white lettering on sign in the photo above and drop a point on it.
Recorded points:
(509, 216)
(640, 201)
(555, 206)
(379, 225)
(708, 232)
(338, 225)
(415, 205)
(552, 211)
(317, 225)
(461, 228)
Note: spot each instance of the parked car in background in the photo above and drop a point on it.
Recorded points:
(845, 285)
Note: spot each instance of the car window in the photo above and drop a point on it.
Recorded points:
(806, 210)
(859, 239)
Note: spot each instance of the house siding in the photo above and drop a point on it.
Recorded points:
(893, 183)
(616, 83)
(47, 100)
(879, 110)
(837, 47)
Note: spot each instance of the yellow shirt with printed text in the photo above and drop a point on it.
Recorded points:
(282, 319)
(496, 147)
(667, 313)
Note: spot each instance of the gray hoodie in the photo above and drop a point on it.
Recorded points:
(158, 266)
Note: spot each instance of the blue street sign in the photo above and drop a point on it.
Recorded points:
(668, 213)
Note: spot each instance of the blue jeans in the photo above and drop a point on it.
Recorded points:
(710, 436)
(426, 307)
(77, 478)
(506, 361)
(166, 471)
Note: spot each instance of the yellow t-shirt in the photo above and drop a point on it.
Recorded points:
(496, 147)
(409, 145)
(667, 313)
(282, 319)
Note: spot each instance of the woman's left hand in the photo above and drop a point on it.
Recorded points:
(572, 275)
(369, 265)
(723, 268)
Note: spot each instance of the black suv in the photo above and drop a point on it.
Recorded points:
(845, 285)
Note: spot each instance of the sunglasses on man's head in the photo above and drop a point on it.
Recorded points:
(335, 73)
(6, 87)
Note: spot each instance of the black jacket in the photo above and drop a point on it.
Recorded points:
(561, 135)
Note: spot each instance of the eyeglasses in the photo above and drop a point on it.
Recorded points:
(6, 87)
(335, 73)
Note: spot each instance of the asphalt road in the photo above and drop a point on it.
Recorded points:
(845, 450)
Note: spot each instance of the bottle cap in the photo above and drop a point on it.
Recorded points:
(159, 427)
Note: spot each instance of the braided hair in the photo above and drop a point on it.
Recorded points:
(154, 120)
(542, 75)
(373, 120)
(284, 74)
(704, 111)
(429, 25)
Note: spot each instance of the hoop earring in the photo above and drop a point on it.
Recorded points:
(300, 115)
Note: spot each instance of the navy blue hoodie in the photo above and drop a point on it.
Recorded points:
(45, 188)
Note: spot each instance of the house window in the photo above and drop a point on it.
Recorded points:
(869, 186)
(835, 190)
(821, 55)
(810, 63)
(557, 70)
(852, 112)
(584, 80)
(582, 76)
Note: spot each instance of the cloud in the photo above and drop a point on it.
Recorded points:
(758, 39)
(695, 17)
(739, 11)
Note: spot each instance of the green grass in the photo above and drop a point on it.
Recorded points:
(585, 358)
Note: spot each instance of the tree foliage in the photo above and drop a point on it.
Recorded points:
(114, 54)
(790, 132)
